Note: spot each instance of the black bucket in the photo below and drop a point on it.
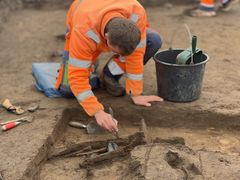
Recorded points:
(178, 83)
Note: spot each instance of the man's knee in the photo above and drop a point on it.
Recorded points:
(154, 40)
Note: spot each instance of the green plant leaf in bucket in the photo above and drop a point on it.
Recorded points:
(190, 55)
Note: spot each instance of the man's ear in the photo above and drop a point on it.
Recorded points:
(106, 36)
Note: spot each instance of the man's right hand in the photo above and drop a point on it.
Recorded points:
(106, 121)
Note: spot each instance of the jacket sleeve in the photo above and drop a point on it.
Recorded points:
(81, 52)
(134, 62)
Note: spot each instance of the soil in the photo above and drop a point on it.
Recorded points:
(210, 126)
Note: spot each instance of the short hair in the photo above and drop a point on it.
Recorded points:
(123, 34)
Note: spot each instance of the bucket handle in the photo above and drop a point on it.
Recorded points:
(192, 39)
(175, 32)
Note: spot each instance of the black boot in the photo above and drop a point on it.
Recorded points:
(111, 83)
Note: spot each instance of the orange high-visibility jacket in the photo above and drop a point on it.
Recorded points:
(86, 20)
(207, 3)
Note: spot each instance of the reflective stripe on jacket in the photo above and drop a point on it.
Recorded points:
(86, 21)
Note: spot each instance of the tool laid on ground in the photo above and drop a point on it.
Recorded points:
(11, 108)
(27, 119)
(10, 126)
(14, 123)
(33, 108)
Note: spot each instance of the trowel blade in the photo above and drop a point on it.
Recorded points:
(94, 128)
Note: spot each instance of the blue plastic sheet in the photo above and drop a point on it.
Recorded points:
(45, 75)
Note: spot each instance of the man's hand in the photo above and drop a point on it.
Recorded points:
(106, 121)
(145, 100)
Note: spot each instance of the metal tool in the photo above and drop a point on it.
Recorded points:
(27, 119)
(111, 112)
(33, 108)
(77, 125)
(92, 127)
(112, 147)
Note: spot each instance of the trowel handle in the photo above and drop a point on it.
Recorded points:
(77, 124)
(194, 44)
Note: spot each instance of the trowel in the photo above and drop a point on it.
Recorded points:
(191, 55)
(92, 127)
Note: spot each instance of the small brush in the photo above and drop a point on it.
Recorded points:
(111, 112)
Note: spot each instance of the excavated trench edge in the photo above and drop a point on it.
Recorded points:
(41, 157)
(33, 169)
(63, 117)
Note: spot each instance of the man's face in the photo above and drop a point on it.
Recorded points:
(114, 49)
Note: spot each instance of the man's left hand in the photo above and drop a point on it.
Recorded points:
(145, 100)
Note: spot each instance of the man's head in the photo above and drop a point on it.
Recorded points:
(122, 36)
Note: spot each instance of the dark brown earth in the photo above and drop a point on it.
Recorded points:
(208, 125)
